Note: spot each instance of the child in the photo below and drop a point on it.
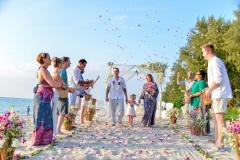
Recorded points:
(130, 110)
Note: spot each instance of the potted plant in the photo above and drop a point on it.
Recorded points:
(232, 135)
(197, 122)
(11, 133)
(173, 114)
(69, 118)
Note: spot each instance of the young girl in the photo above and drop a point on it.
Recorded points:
(130, 110)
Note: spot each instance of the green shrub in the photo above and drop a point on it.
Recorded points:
(178, 104)
(232, 113)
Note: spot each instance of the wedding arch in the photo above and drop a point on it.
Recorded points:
(156, 69)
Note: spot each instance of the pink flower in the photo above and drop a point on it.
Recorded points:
(17, 155)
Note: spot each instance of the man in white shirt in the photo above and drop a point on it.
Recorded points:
(188, 83)
(117, 88)
(219, 91)
(74, 79)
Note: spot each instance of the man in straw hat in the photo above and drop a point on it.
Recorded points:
(117, 88)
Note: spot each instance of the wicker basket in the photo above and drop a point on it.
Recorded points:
(93, 101)
(173, 120)
(204, 100)
(67, 125)
(63, 93)
(4, 155)
(88, 97)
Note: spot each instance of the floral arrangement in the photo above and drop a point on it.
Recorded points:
(71, 115)
(157, 67)
(197, 118)
(11, 131)
(150, 88)
(107, 78)
(173, 113)
(197, 122)
(232, 134)
(90, 112)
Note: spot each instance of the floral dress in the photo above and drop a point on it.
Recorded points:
(150, 104)
(42, 115)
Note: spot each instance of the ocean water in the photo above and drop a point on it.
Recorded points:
(20, 105)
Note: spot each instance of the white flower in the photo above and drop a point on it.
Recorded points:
(15, 142)
(2, 142)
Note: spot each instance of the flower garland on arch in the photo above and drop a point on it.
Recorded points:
(158, 67)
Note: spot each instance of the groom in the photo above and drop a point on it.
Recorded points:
(117, 88)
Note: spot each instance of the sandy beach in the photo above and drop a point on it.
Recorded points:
(99, 140)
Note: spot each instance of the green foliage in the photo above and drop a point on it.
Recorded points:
(225, 36)
(178, 104)
(232, 113)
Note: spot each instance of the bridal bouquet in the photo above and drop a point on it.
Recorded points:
(11, 133)
(232, 135)
(149, 88)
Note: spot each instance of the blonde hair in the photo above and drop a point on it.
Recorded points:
(56, 61)
(40, 57)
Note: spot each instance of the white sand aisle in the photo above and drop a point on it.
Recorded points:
(101, 141)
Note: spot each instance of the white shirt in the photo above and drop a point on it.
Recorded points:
(74, 77)
(218, 73)
(116, 90)
(187, 83)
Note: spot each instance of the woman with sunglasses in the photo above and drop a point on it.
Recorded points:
(197, 89)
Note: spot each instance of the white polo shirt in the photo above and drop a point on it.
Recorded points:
(218, 73)
(116, 87)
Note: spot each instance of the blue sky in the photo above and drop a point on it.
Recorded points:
(123, 32)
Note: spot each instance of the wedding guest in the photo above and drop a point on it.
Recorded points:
(188, 83)
(57, 64)
(117, 88)
(131, 109)
(149, 95)
(75, 81)
(219, 91)
(197, 89)
(62, 108)
(42, 114)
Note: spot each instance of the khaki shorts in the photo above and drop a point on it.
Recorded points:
(219, 105)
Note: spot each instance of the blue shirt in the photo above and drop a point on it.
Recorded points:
(81, 79)
(63, 74)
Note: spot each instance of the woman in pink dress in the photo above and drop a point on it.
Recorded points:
(42, 113)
